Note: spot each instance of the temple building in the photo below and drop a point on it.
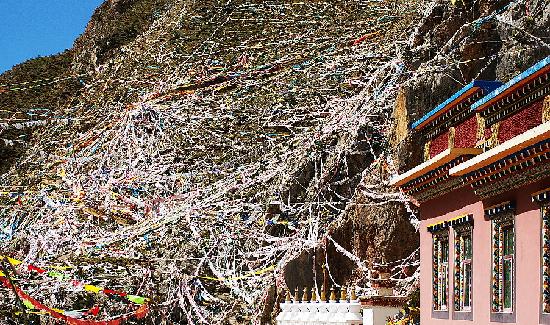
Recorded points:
(483, 193)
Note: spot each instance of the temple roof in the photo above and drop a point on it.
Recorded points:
(456, 99)
(504, 164)
(526, 76)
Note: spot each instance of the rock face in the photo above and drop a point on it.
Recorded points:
(115, 24)
(207, 154)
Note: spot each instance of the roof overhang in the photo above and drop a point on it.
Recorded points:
(526, 76)
(526, 139)
(433, 163)
(455, 99)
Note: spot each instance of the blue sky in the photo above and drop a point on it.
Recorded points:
(29, 28)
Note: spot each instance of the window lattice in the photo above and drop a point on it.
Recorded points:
(440, 270)
(545, 212)
(463, 268)
(503, 247)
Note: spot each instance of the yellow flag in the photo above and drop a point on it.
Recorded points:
(13, 261)
(92, 288)
(60, 268)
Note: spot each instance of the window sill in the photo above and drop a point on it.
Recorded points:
(440, 314)
(545, 318)
(503, 317)
(463, 315)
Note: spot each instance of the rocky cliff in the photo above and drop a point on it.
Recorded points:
(206, 155)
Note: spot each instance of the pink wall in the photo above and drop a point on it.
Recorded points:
(528, 265)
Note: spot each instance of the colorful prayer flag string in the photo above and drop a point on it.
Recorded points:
(69, 316)
(77, 283)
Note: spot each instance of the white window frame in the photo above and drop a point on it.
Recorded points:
(461, 232)
(510, 258)
(463, 271)
(442, 271)
(443, 278)
(504, 221)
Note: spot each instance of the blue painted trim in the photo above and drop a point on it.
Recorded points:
(495, 93)
(486, 85)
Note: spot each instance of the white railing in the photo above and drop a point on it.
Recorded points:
(320, 313)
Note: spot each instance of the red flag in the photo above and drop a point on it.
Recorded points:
(35, 268)
(114, 292)
(94, 310)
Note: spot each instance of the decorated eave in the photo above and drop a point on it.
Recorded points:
(500, 208)
(458, 103)
(499, 167)
(454, 222)
(525, 88)
(541, 197)
(431, 178)
(433, 169)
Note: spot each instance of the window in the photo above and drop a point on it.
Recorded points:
(503, 240)
(463, 268)
(545, 213)
(543, 199)
(507, 262)
(440, 271)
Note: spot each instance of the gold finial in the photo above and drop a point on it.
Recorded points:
(296, 295)
(332, 294)
(313, 295)
(304, 297)
(287, 299)
(353, 294)
(343, 294)
(323, 294)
